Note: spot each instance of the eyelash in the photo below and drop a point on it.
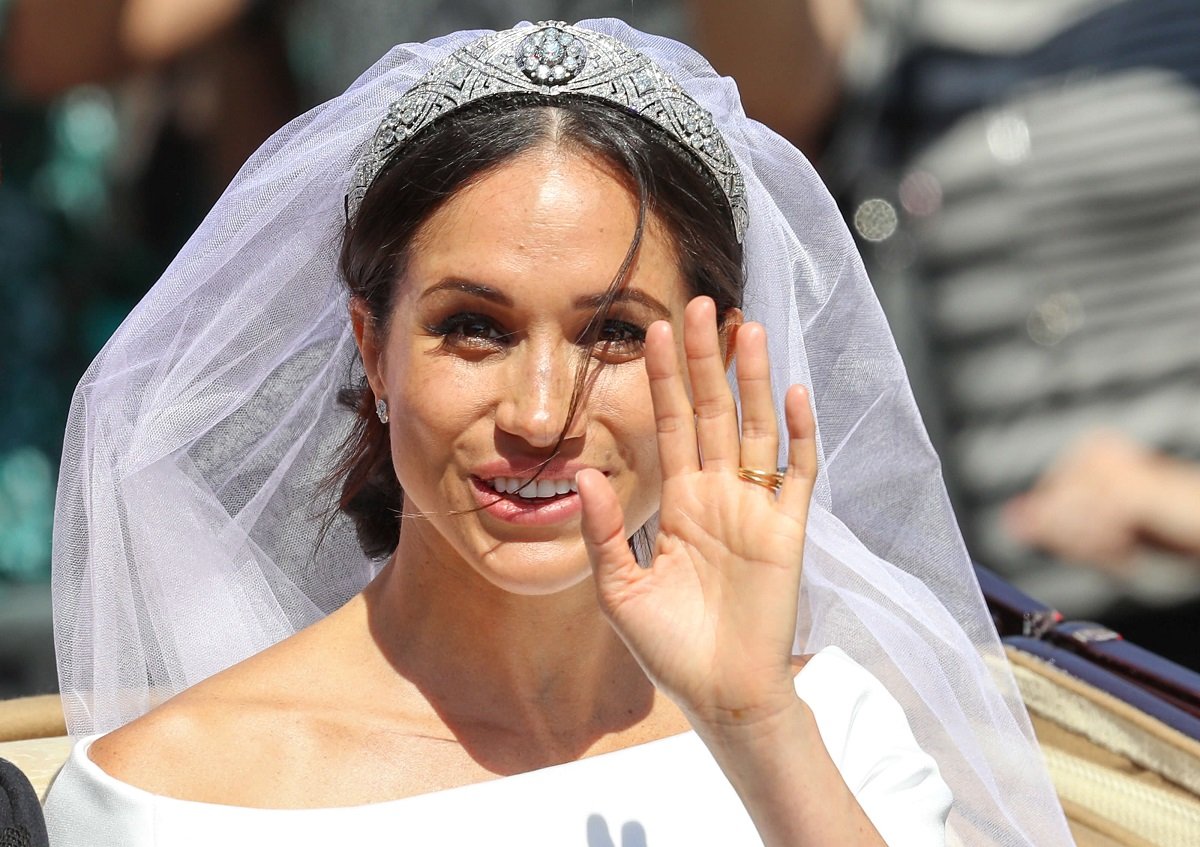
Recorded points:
(633, 336)
(453, 331)
(458, 330)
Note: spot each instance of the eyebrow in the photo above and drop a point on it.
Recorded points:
(625, 295)
(588, 301)
(474, 289)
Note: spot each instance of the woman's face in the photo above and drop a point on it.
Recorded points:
(480, 357)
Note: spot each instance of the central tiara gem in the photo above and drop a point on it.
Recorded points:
(551, 56)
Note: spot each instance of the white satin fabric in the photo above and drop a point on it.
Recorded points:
(665, 793)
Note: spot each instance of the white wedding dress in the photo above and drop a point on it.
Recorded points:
(664, 793)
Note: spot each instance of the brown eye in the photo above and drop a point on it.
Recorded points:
(477, 328)
(470, 328)
(622, 333)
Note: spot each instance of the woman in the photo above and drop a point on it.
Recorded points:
(541, 230)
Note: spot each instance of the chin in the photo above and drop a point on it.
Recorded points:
(535, 568)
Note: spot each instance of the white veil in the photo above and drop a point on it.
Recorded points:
(188, 532)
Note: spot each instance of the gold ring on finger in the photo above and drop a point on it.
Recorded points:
(767, 479)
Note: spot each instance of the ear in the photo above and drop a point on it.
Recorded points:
(366, 335)
(728, 334)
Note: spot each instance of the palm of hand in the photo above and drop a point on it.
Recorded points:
(711, 620)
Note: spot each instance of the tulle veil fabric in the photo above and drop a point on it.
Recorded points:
(190, 530)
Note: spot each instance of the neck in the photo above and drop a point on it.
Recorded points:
(521, 681)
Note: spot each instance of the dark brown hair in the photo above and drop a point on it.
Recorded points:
(464, 147)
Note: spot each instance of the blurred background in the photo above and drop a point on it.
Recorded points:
(1022, 176)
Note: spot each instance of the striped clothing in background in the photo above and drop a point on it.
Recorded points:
(1025, 180)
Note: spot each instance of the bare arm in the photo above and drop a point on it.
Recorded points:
(1173, 521)
(1105, 498)
(55, 44)
(786, 56)
(724, 655)
(787, 781)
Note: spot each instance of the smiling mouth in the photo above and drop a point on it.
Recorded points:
(533, 490)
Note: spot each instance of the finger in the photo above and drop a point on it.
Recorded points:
(760, 432)
(716, 414)
(603, 530)
(801, 475)
(674, 422)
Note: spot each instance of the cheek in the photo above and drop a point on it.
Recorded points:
(623, 405)
(436, 404)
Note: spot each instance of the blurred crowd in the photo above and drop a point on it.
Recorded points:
(1023, 177)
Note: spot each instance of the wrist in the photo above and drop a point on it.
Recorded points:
(762, 725)
(1170, 503)
(1147, 485)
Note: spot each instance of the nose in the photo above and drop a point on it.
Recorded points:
(536, 399)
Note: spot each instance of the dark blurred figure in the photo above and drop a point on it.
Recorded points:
(1024, 179)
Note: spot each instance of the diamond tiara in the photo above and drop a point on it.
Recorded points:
(554, 58)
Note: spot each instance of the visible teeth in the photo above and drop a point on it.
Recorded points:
(533, 489)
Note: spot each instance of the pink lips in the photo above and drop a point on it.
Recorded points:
(512, 508)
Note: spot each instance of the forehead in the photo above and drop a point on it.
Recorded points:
(553, 218)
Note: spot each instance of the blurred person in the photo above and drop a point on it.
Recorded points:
(321, 44)
(194, 87)
(1024, 181)
(202, 82)
(787, 57)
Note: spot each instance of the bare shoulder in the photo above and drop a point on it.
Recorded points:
(228, 738)
(296, 726)
(190, 746)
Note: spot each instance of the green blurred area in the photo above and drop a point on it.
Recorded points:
(65, 283)
(78, 248)
(26, 510)
(67, 278)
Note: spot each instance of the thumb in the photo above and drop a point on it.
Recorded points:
(603, 529)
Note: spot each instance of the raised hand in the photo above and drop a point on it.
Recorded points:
(712, 619)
